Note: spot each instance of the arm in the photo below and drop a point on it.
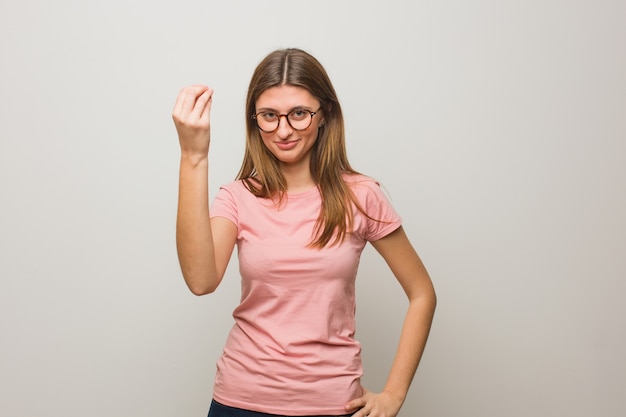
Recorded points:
(406, 265)
(204, 245)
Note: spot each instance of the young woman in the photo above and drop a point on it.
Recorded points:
(300, 217)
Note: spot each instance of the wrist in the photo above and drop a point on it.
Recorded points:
(194, 159)
(395, 394)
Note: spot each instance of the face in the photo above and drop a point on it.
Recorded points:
(290, 146)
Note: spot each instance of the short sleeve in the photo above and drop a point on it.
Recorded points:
(224, 205)
(381, 218)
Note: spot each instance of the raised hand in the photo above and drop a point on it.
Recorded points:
(191, 116)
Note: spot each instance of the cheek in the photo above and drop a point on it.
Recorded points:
(311, 133)
(314, 135)
(266, 139)
(266, 144)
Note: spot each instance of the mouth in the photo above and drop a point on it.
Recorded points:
(287, 144)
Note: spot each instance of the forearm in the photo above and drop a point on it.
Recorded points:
(411, 346)
(194, 238)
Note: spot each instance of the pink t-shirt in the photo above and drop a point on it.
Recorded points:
(292, 349)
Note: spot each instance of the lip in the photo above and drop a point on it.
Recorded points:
(287, 145)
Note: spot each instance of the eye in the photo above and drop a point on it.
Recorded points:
(298, 114)
(269, 116)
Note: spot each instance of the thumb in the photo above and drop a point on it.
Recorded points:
(357, 402)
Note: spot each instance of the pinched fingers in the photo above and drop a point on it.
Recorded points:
(191, 116)
(193, 105)
(202, 108)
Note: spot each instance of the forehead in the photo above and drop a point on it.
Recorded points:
(285, 98)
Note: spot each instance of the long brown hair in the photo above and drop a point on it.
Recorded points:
(329, 162)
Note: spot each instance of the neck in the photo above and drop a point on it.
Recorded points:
(298, 178)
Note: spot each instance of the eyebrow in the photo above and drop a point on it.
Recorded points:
(264, 109)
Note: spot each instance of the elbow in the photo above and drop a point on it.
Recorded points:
(427, 301)
(433, 301)
(200, 290)
(200, 285)
(432, 306)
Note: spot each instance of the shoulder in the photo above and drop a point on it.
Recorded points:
(231, 194)
(376, 216)
(362, 185)
(237, 189)
(356, 180)
(366, 190)
(233, 186)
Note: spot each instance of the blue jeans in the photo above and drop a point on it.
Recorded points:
(221, 410)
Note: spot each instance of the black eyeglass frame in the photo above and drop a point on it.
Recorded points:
(286, 116)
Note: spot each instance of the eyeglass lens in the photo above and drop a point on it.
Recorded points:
(298, 119)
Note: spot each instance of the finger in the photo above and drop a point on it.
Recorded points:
(180, 102)
(187, 98)
(191, 97)
(355, 404)
(360, 413)
(206, 114)
(202, 105)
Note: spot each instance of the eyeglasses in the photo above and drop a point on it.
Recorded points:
(298, 119)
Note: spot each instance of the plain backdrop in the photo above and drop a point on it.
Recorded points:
(498, 129)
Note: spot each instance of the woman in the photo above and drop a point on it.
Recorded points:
(300, 217)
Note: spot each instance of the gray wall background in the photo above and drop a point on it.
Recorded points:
(498, 129)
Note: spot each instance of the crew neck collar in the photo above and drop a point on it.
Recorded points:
(302, 194)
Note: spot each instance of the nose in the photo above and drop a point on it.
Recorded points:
(284, 128)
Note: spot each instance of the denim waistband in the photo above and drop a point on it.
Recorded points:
(221, 410)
